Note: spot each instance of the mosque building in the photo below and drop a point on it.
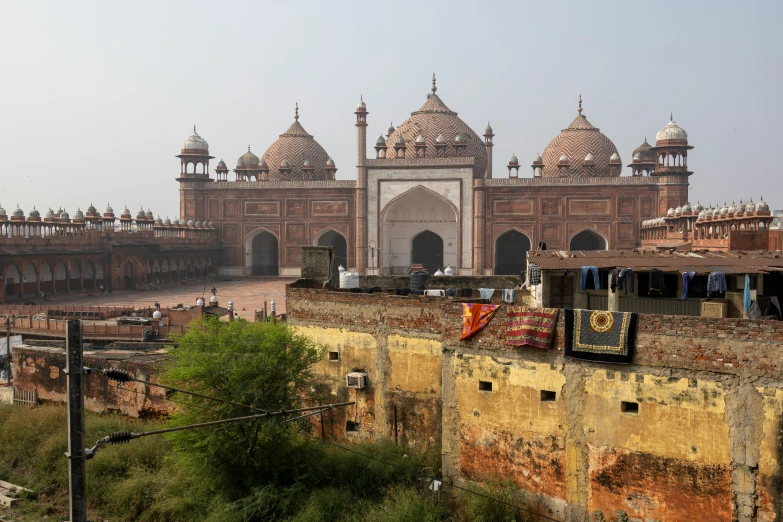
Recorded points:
(429, 197)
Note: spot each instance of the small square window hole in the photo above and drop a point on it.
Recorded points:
(485, 386)
(548, 396)
(629, 407)
(334, 356)
(351, 426)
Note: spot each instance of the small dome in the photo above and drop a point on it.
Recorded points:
(538, 158)
(79, 214)
(167, 221)
(198, 223)
(724, 210)
(440, 139)
(731, 209)
(262, 164)
(34, 213)
(2, 211)
(190, 223)
(762, 206)
(175, 222)
(400, 140)
(222, 165)
(109, 210)
(564, 157)
(419, 139)
(149, 215)
(380, 141)
(307, 163)
(50, 213)
(698, 207)
(18, 212)
(91, 208)
(670, 212)
(126, 213)
(678, 210)
(589, 157)
(750, 207)
(158, 221)
(671, 131)
(488, 130)
(459, 138)
(211, 224)
(141, 214)
(390, 130)
(248, 160)
(200, 301)
(285, 164)
(614, 157)
(195, 143)
(637, 156)
(702, 213)
(64, 215)
(513, 159)
(687, 207)
(330, 162)
(361, 104)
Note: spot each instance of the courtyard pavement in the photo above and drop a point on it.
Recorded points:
(247, 294)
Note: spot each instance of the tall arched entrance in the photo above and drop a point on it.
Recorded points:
(338, 243)
(427, 250)
(408, 221)
(511, 253)
(587, 240)
(129, 274)
(263, 254)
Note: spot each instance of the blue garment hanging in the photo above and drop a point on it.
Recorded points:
(583, 281)
(686, 283)
(746, 302)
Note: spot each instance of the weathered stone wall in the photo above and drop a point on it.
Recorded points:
(43, 369)
(705, 441)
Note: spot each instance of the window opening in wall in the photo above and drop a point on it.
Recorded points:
(485, 386)
(334, 356)
(629, 407)
(548, 396)
(351, 426)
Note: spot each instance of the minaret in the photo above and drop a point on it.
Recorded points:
(488, 135)
(360, 228)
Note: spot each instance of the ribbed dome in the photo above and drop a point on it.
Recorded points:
(149, 214)
(79, 214)
(671, 131)
(678, 210)
(167, 222)
(222, 165)
(126, 213)
(248, 160)
(175, 222)
(50, 214)
(577, 141)
(644, 151)
(434, 119)
(64, 216)
(91, 208)
(34, 213)
(381, 141)
(670, 212)
(195, 144)
(514, 160)
(330, 162)
(762, 206)
(295, 145)
(698, 207)
(687, 207)
(109, 210)
(2, 211)
(141, 214)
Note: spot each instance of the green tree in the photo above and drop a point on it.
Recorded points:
(264, 365)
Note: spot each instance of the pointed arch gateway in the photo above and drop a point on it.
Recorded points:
(408, 220)
(261, 253)
(588, 240)
(511, 249)
(334, 239)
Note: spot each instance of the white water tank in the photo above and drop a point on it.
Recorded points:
(156, 314)
(449, 271)
(199, 302)
(349, 279)
(340, 269)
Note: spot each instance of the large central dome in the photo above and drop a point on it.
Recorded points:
(565, 155)
(435, 123)
(298, 149)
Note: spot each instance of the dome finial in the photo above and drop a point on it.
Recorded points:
(434, 87)
(296, 114)
(194, 128)
(580, 105)
(671, 117)
(248, 149)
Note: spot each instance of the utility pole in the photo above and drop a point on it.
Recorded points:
(74, 369)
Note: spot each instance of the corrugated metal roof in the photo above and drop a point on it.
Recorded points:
(700, 262)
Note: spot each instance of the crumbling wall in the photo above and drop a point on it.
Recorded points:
(690, 431)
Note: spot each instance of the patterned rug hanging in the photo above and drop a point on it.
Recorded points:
(531, 326)
(475, 317)
(599, 335)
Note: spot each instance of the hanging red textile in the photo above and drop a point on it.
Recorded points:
(475, 317)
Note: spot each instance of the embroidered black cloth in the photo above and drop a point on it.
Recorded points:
(599, 335)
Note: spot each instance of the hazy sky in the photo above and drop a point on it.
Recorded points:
(96, 97)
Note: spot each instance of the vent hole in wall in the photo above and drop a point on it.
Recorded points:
(629, 407)
(485, 386)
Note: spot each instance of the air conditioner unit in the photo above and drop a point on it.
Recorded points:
(356, 380)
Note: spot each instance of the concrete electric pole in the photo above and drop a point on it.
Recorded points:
(74, 369)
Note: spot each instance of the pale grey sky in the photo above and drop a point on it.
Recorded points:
(96, 97)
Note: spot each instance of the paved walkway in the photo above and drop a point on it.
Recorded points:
(247, 294)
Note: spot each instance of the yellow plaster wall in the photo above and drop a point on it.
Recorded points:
(667, 410)
(415, 364)
(515, 401)
(770, 462)
(357, 350)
